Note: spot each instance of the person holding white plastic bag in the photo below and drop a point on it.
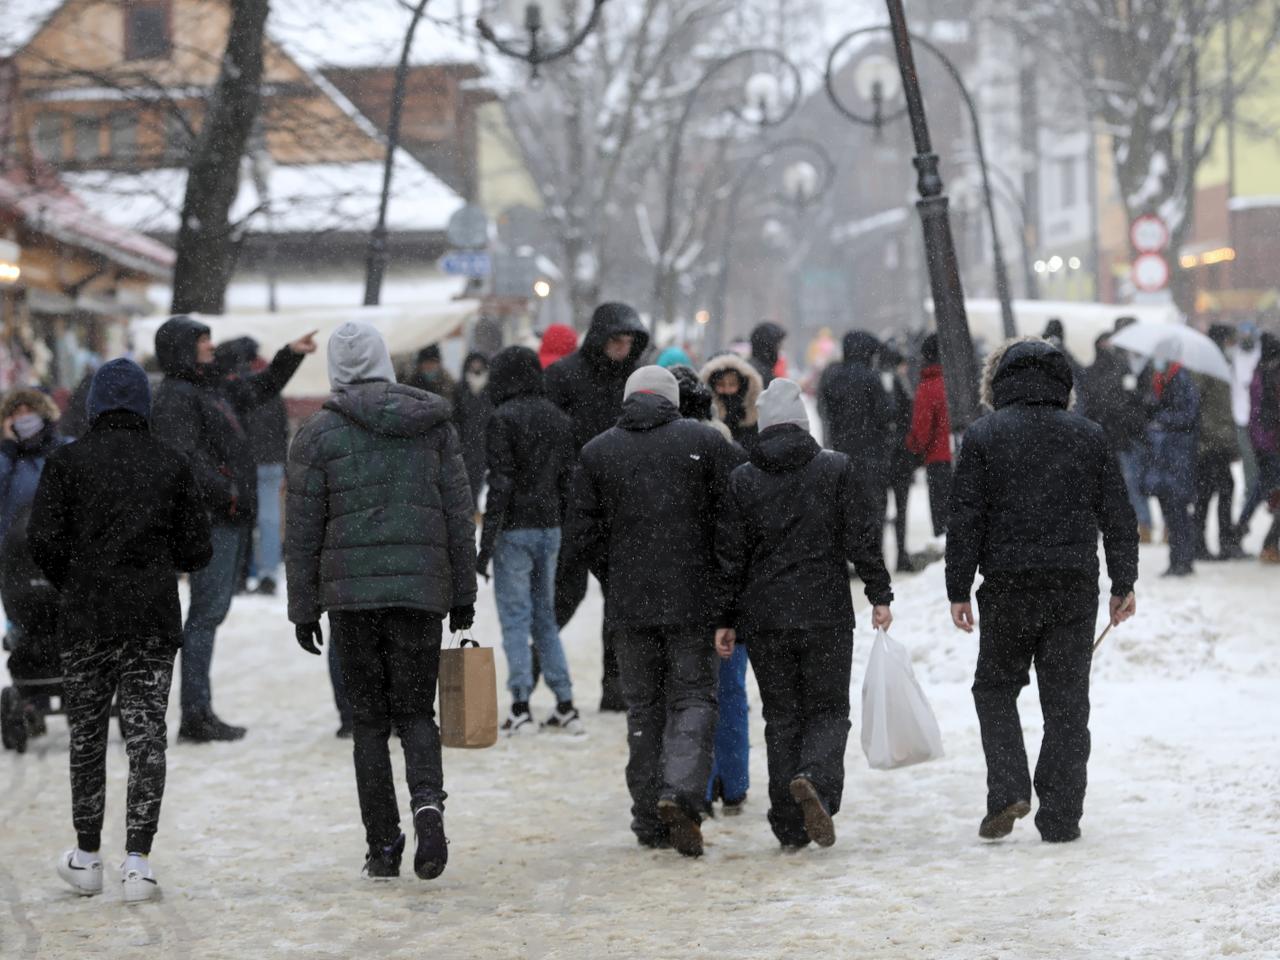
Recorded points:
(1033, 487)
(794, 516)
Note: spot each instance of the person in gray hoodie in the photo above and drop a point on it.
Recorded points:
(380, 533)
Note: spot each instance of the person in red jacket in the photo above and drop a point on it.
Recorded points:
(558, 341)
(930, 435)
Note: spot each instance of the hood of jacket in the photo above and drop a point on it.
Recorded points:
(647, 411)
(766, 341)
(752, 385)
(558, 341)
(609, 320)
(514, 372)
(235, 355)
(119, 386)
(674, 357)
(1029, 371)
(860, 347)
(176, 347)
(784, 448)
(390, 409)
(37, 400)
(358, 354)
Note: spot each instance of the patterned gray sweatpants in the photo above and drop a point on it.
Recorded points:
(141, 671)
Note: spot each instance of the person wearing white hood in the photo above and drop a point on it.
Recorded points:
(380, 534)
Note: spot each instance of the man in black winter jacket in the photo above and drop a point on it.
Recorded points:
(1033, 487)
(644, 506)
(530, 453)
(118, 514)
(766, 346)
(793, 518)
(588, 386)
(857, 417)
(200, 413)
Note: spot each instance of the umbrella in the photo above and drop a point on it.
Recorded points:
(1199, 353)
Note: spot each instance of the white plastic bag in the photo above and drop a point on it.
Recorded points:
(898, 725)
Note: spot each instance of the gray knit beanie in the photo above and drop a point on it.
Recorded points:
(654, 379)
(781, 403)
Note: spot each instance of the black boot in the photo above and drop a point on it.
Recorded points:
(433, 846)
(384, 863)
(206, 728)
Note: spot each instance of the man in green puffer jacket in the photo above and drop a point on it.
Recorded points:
(380, 533)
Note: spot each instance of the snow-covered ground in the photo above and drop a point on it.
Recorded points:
(261, 844)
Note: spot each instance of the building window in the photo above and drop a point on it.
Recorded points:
(177, 138)
(124, 136)
(48, 136)
(146, 30)
(88, 139)
(1067, 182)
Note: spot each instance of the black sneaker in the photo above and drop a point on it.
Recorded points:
(266, 587)
(519, 721)
(1059, 834)
(432, 854)
(997, 825)
(817, 821)
(345, 731)
(384, 863)
(566, 719)
(683, 829)
(654, 841)
(208, 729)
(733, 808)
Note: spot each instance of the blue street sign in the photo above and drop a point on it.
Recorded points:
(466, 263)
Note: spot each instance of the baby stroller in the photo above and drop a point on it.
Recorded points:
(35, 662)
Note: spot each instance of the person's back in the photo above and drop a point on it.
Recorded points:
(855, 409)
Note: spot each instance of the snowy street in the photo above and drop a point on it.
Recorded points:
(260, 845)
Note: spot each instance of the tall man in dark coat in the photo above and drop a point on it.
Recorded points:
(793, 518)
(644, 509)
(380, 533)
(117, 515)
(588, 386)
(1033, 487)
(200, 413)
(766, 348)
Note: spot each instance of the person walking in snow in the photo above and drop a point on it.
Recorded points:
(117, 516)
(1218, 449)
(766, 350)
(1173, 438)
(588, 385)
(1034, 486)
(903, 464)
(735, 388)
(558, 341)
(380, 534)
(645, 501)
(930, 435)
(472, 408)
(1264, 430)
(794, 517)
(30, 422)
(530, 456)
(201, 414)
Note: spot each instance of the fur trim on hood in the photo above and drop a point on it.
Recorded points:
(37, 400)
(996, 358)
(753, 384)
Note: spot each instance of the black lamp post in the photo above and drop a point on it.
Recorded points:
(534, 54)
(769, 115)
(954, 340)
(821, 177)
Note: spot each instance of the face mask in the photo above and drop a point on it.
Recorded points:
(478, 381)
(27, 425)
(734, 407)
(1160, 365)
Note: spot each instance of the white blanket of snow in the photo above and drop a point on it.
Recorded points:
(261, 843)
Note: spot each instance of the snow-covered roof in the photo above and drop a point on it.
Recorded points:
(362, 33)
(21, 21)
(303, 198)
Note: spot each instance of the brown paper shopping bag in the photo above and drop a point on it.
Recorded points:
(468, 696)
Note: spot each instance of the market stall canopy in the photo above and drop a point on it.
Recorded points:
(407, 328)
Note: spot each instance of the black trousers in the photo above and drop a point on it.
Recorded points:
(901, 488)
(804, 693)
(1054, 630)
(138, 673)
(1213, 478)
(1182, 534)
(669, 678)
(938, 478)
(390, 664)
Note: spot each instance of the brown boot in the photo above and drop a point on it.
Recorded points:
(683, 829)
(1144, 534)
(1270, 555)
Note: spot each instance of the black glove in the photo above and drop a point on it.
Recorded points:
(482, 565)
(310, 636)
(461, 618)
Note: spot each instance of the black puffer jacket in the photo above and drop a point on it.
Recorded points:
(200, 414)
(645, 501)
(117, 515)
(1035, 484)
(794, 516)
(530, 450)
(587, 385)
(1104, 399)
(856, 413)
(379, 510)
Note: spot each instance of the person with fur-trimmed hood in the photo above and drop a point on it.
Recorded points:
(30, 421)
(1034, 486)
(735, 387)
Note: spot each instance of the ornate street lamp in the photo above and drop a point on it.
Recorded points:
(534, 54)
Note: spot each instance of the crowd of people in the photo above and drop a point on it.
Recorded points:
(722, 535)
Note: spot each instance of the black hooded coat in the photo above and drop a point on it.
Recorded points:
(856, 411)
(471, 413)
(587, 385)
(1035, 484)
(199, 413)
(529, 447)
(766, 344)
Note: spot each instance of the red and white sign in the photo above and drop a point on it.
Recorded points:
(1149, 234)
(1151, 272)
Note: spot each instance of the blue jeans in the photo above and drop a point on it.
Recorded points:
(266, 556)
(733, 749)
(211, 591)
(524, 580)
(1131, 466)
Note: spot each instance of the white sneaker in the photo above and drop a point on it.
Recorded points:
(565, 721)
(138, 881)
(518, 724)
(84, 878)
